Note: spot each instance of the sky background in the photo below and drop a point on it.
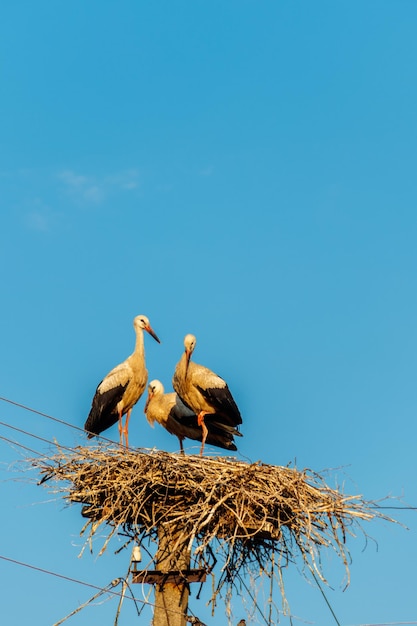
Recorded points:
(242, 170)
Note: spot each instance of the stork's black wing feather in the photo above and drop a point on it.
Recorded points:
(103, 413)
(217, 436)
(223, 404)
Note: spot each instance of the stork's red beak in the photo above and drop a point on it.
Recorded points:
(152, 333)
(187, 360)
(147, 401)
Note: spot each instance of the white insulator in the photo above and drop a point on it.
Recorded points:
(136, 555)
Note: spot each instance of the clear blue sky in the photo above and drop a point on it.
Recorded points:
(242, 170)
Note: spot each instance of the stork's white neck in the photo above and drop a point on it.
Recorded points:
(139, 351)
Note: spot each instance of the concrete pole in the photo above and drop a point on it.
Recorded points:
(171, 598)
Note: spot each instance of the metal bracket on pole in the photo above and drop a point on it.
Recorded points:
(176, 577)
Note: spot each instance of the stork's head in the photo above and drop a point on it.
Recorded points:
(142, 322)
(189, 345)
(155, 388)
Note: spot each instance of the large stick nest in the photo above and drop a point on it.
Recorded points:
(249, 513)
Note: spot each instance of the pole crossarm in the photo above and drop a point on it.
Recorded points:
(176, 577)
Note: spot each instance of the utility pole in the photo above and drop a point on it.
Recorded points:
(171, 578)
(171, 594)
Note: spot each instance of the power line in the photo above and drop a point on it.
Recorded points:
(325, 597)
(106, 589)
(20, 445)
(68, 578)
(396, 508)
(50, 417)
(390, 624)
(255, 603)
(27, 408)
(25, 432)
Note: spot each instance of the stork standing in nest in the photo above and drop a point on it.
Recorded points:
(119, 391)
(205, 393)
(170, 412)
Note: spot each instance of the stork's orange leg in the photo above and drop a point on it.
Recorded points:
(200, 422)
(120, 427)
(126, 428)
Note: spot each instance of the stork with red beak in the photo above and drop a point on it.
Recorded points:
(119, 391)
(170, 412)
(205, 393)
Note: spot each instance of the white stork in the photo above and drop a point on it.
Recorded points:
(170, 412)
(205, 393)
(119, 391)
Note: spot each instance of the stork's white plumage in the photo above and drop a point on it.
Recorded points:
(119, 391)
(205, 393)
(170, 412)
